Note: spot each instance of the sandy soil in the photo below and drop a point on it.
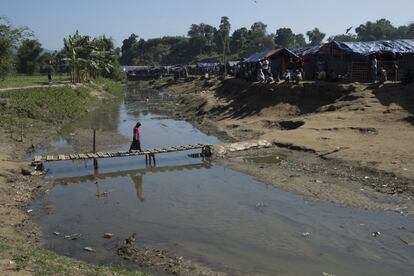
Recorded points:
(345, 143)
(16, 191)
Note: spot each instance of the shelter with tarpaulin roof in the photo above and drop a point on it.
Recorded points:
(208, 67)
(280, 59)
(308, 58)
(353, 59)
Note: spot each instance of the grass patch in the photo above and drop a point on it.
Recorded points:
(110, 86)
(22, 81)
(42, 262)
(51, 105)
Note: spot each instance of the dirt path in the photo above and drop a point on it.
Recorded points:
(7, 89)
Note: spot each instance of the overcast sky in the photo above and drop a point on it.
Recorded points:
(51, 20)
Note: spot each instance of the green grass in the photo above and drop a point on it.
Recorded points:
(49, 105)
(110, 86)
(22, 81)
(23, 109)
(42, 262)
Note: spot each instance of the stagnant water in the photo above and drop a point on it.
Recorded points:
(208, 213)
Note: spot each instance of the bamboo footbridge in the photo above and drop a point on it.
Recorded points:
(149, 153)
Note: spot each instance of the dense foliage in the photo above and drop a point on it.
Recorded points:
(88, 57)
(208, 43)
(82, 56)
(85, 57)
(9, 41)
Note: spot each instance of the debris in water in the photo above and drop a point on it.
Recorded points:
(306, 234)
(376, 233)
(89, 249)
(103, 194)
(131, 239)
(260, 205)
(73, 237)
(407, 240)
(108, 235)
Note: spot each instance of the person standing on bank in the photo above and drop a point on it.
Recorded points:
(49, 76)
(136, 142)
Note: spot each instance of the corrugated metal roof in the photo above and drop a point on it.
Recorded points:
(401, 46)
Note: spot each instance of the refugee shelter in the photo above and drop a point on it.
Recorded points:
(309, 60)
(280, 59)
(353, 59)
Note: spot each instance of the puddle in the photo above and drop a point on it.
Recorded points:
(211, 214)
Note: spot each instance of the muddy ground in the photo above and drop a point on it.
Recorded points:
(344, 143)
(20, 236)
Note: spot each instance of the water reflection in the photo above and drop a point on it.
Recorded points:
(136, 175)
(209, 213)
(139, 186)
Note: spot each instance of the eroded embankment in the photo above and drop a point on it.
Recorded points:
(359, 133)
(29, 117)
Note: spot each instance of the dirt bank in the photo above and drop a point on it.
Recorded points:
(344, 143)
(20, 252)
(20, 237)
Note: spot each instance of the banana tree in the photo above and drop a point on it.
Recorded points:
(77, 50)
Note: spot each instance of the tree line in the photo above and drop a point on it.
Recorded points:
(82, 56)
(86, 57)
(208, 43)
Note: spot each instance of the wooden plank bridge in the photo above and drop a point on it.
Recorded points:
(97, 155)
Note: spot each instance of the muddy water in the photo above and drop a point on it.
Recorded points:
(219, 217)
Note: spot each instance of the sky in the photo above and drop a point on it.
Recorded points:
(52, 20)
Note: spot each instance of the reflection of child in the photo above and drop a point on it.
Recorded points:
(136, 143)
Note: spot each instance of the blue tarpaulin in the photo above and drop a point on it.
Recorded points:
(207, 64)
(401, 46)
(256, 57)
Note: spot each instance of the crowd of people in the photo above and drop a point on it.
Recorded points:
(263, 71)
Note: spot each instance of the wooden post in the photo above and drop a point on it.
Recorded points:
(95, 165)
(94, 141)
(95, 161)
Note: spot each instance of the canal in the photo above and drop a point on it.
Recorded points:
(195, 208)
